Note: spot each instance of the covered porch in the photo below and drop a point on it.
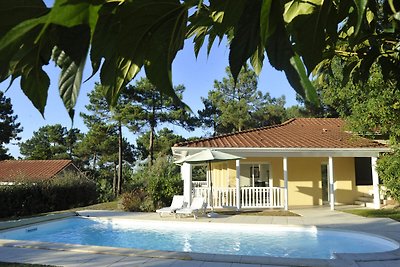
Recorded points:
(272, 179)
(301, 162)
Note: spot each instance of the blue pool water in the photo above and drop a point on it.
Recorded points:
(254, 240)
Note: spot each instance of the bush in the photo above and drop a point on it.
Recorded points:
(388, 168)
(131, 201)
(68, 190)
(159, 183)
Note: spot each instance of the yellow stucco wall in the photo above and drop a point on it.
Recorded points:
(304, 182)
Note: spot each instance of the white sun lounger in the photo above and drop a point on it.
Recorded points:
(198, 206)
(177, 203)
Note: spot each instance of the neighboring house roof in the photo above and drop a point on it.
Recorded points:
(15, 170)
(298, 133)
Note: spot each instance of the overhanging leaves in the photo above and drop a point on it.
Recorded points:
(152, 32)
(14, 12)
(302, 77)
(307, 21)
(35, 84)
(246, 37)
(361, 6)
(267, 27)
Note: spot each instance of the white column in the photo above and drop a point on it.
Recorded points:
(186, 172)
(238, 184)
(285, 181)
(375, 184)
(331, 184)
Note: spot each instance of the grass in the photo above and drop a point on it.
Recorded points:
(383, 213)
(113, 205)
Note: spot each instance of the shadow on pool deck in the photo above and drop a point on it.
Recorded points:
(66, 255)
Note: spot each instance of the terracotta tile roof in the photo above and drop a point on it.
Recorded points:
(12, 170)
(294, 133)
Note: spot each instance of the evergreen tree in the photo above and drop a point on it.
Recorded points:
(105, 125)
(149, 109)
(51, 142)
(239, 106)
(164, 140)
(9, 127)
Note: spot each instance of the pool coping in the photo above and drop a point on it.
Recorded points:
(4, 225)
(341, 259)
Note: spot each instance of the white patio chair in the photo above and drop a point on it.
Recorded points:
(177, 203)
(198, 206)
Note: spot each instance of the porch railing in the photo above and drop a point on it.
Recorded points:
(266, 197)
(251, 197)
(199, 183)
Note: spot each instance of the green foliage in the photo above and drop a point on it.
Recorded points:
(297, 37)
(104, 144)
(133, 200)
(164, 140)
(51, 142)
(155, 185)
(9, 127)
(388, 167)
(68, 190)
(239, 106)
(381, 213)
(371, 108)
(149, 109)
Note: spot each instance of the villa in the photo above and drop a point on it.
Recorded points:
(12, 171)
(305, 161)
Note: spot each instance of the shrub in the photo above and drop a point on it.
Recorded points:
(388, 168)
(132, 201)
(68, 190)
(160, 182)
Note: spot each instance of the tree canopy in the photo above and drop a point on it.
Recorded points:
(51, 142)
(123, 36)
(238, 106)
(9, 127)
(148, 108)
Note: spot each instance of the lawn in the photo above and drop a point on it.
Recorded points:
(113, 205)
(383, 213)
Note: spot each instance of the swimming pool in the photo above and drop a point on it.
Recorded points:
(215, 238)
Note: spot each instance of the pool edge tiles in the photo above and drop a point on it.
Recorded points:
(7, 225)
(158, 254)
(187, 256)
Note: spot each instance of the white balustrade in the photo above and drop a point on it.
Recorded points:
(251, 197)
(199, 183)
(262, 197)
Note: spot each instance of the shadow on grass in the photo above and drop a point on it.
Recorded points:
(372, 213)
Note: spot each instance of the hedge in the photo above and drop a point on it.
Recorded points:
(27, 198)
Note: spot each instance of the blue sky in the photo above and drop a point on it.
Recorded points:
(197, 75)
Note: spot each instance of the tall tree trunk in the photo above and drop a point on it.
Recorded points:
(152, 129)
(119, 158)
(151, 147)
(114, 186)
(94, 160)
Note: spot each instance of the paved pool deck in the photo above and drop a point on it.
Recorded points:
(75, 255)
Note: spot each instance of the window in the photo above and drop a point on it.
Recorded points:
(363, 171)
